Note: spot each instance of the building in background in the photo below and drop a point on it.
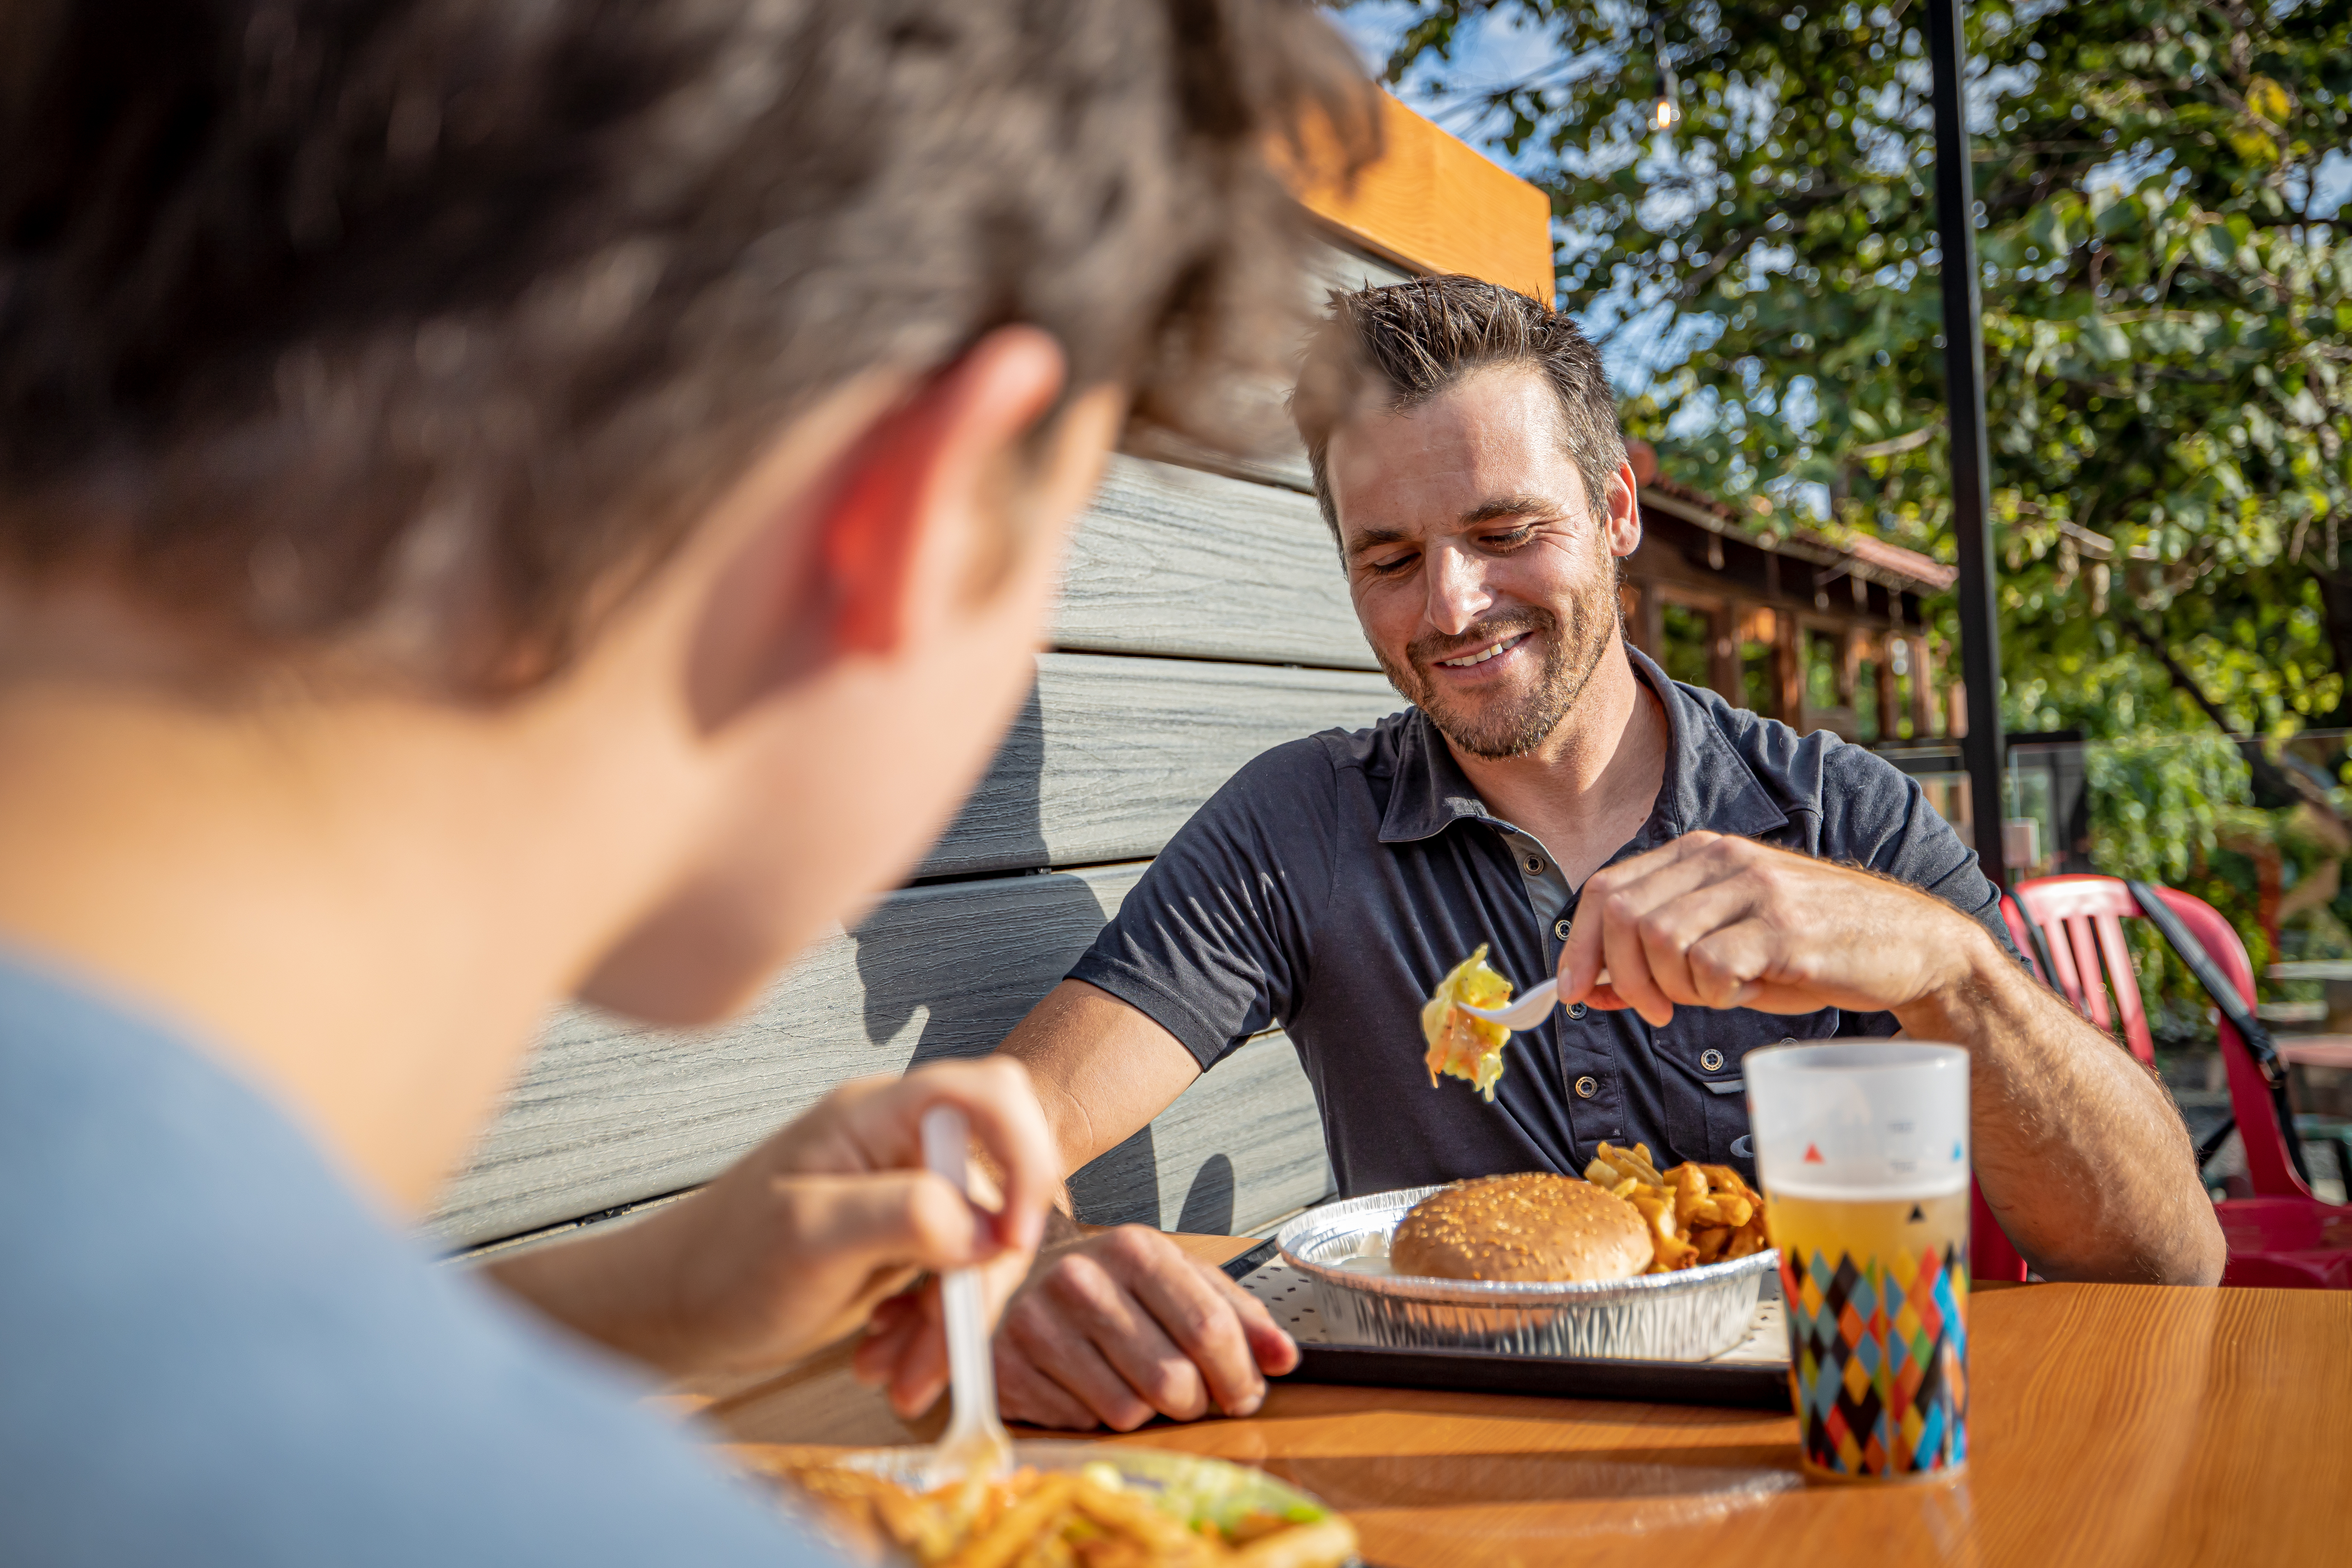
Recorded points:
(1783, 619)
(1818, 630)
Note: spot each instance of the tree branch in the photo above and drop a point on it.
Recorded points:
(1732, 249)
(1910, 441)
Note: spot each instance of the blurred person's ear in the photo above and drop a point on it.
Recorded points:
(921, 521)
(855, 658)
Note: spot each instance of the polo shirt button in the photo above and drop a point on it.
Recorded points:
(1711, 1060)
(1533, 863)
(1587, 1087)
(1561, 927)
(1575, 1010)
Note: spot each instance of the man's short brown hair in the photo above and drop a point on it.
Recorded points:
(424, 327)
(1396, 347)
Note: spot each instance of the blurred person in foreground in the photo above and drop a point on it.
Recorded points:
(1553, 794)
(505, 503)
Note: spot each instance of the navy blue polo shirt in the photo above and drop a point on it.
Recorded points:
(1330, 885)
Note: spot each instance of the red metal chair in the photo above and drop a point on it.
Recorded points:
(2279, 1236)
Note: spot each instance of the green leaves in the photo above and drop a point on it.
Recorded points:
(2048, 227)
(2155, 796)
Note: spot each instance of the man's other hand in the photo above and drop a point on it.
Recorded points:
(1108, 1331)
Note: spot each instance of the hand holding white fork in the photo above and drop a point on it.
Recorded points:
(1527, 1011)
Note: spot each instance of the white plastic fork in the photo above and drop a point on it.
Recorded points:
(1527, 1011)
(976, 1445)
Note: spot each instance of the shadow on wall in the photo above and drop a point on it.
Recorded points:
(1209, 1205)
(950, 968)
(1122, 1187)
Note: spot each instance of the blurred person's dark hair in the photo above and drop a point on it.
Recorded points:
(1392, 348)
(423, 329)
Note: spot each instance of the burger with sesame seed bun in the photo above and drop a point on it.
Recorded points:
(1526, 1228)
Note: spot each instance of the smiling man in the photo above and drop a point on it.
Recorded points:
(1552, 793)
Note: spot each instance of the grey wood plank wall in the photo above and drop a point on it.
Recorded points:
(1200, 565)
(1111, 755)
(1203, 618)
(610, 1112)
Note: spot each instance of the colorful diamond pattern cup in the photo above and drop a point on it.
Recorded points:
(1862, 1149)
(1879, 1360)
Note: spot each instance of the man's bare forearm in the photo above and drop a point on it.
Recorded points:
(1102, 1068)
(2079, 1150)
(1102, 1071)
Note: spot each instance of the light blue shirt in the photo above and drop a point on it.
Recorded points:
(213, 1355)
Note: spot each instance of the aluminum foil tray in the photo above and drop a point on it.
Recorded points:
(1686, 1316)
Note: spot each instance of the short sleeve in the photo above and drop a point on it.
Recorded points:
(1877, 816)
(1214, 945)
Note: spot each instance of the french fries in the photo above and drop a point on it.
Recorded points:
(1055, 1520)
(1695, 1214)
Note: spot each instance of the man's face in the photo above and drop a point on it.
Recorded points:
(1484, 575)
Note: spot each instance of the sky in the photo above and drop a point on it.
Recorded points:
(1491, 51)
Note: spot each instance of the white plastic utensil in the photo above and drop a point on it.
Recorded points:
(976, 1444)
(1527, 1011)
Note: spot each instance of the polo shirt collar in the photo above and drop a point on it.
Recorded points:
(1708, 783)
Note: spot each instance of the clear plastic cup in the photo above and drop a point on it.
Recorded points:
(1862, 1150)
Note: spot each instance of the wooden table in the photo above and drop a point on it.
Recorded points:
(2337, 973)
(2111, 1423)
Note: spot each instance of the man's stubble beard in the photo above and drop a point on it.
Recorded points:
(1513, 726)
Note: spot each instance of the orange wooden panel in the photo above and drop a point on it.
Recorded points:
(1437, 204)
(2109, 1425)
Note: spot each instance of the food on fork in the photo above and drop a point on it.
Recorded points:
(1526, 1227)
(1692, 1214)
(1459, 1044)
(1088, 1518)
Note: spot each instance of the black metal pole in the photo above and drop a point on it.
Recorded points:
(1955, 239)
